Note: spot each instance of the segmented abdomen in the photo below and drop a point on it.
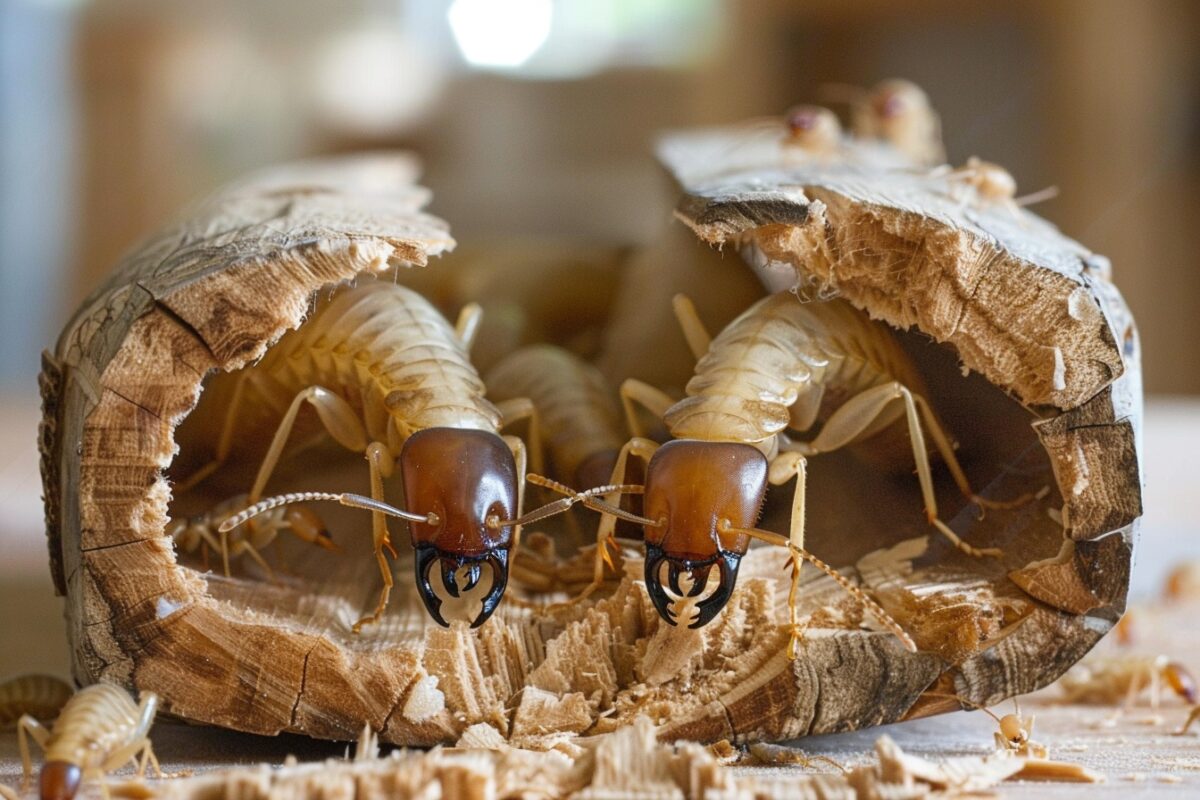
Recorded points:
(785, 363)
(94, 722)
(39, 696)
(577, 410)
(392, 355)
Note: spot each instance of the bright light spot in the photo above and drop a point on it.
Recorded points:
(500, 33)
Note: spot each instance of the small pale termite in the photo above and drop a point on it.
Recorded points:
(390, 378)
(577, 413)
(99, 730)
(992, 184)
(39, 696)
(1015, 734)
(813, 129)
(783, 364)
(1117, 679)
(898, 112)
(578, 416)
(201, 532)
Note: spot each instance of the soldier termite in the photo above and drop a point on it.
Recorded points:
(390, 378)
(39, 696)
(783, 364)
(99, 730)
(1116, 679)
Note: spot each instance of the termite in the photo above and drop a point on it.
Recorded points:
(578, 418)
(390, 378)
(898, 112)
(783, 364)
(39, 696)
(1111, 679)
(813, 129)
(99, 730)
(1015, 734)
(992, 184)
(200, 532)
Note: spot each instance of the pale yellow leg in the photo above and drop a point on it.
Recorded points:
(381, 464)
(656, 401)
(515, 410)
(783, 468)
(857, 593)
(467, 325)
(338, 418)
(636, 447)
(694, 331)
(519, 456)
(28, 726)
(857, 414)
(224, 443)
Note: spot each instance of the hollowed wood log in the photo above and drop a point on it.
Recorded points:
(1053, 401)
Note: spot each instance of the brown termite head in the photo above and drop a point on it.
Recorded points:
(813, 128)
(695, 492)
(59, 780)
(1180, 679)
(465, 484)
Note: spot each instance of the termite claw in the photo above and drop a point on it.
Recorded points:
(449, 566)
(727, 564)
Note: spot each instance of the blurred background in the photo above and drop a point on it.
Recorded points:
(536, 117)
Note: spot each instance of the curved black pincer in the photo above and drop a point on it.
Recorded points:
(727, 564)
(449, 564)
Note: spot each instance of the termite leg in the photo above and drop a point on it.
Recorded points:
(381, 465)
(467, 325)
(654, 400)
(942, 441)
(515, 410)
(225, 442)
(697, 335)
(28, 726)
(336, 415)
(857, 414)
(783, 468)
(520, 457)
(799, 553)
(1192, 716)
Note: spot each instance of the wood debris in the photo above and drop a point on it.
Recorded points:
(630, 763)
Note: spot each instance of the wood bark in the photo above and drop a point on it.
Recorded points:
(1018, 303)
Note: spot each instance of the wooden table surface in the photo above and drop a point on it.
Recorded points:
(1136, 753)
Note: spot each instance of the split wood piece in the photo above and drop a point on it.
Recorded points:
(1021, 305)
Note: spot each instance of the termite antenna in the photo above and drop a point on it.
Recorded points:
(971, 703)
(588, 498)
(876, 610)
(344, 498)
(1040, 196)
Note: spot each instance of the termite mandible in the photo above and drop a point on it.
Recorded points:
(783, 364)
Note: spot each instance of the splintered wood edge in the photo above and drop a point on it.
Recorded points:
(211, 292)
(1031, 310)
